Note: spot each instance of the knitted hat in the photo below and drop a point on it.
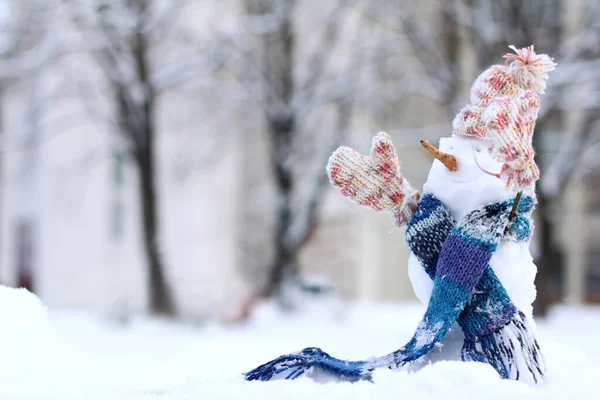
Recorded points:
(503, 110)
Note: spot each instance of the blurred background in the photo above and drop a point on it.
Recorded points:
(168, 156)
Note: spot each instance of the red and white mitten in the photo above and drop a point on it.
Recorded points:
(374, 181)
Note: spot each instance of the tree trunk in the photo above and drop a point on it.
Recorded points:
(161, 297)
(450, 38)
(549, 260)
(284, 271)
(161, 301)
(284, 266)
(282, 128)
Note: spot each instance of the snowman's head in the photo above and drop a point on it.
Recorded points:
(472, 161)
(492, 137)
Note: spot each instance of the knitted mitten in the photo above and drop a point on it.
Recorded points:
(376, 181)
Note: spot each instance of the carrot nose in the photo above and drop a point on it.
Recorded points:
(448, 160)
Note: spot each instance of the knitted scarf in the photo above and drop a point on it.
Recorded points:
(466, 290)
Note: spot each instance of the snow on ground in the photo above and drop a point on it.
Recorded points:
(75, 356)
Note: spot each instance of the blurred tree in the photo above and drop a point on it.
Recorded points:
(291, 88)
(488, 27)
(121, 38)
(121, 29)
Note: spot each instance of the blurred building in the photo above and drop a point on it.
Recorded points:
(70, 209)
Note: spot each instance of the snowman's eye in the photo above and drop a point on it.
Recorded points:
(478, 150)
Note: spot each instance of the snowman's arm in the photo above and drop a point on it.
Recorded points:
(374, 181)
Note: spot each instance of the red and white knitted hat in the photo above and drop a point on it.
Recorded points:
(504, 107)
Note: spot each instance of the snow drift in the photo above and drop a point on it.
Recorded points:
(62, 355)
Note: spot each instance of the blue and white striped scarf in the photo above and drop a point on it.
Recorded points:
(466, 290)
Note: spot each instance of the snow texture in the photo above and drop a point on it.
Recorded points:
(64, 356)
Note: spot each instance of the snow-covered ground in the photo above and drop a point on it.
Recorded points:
(74, 356)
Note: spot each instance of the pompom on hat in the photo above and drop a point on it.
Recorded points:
(504, 107)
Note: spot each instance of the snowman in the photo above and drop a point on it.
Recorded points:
(468, 232)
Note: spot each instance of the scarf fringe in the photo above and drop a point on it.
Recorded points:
(510, 351)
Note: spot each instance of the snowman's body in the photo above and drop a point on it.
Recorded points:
(463, 191)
